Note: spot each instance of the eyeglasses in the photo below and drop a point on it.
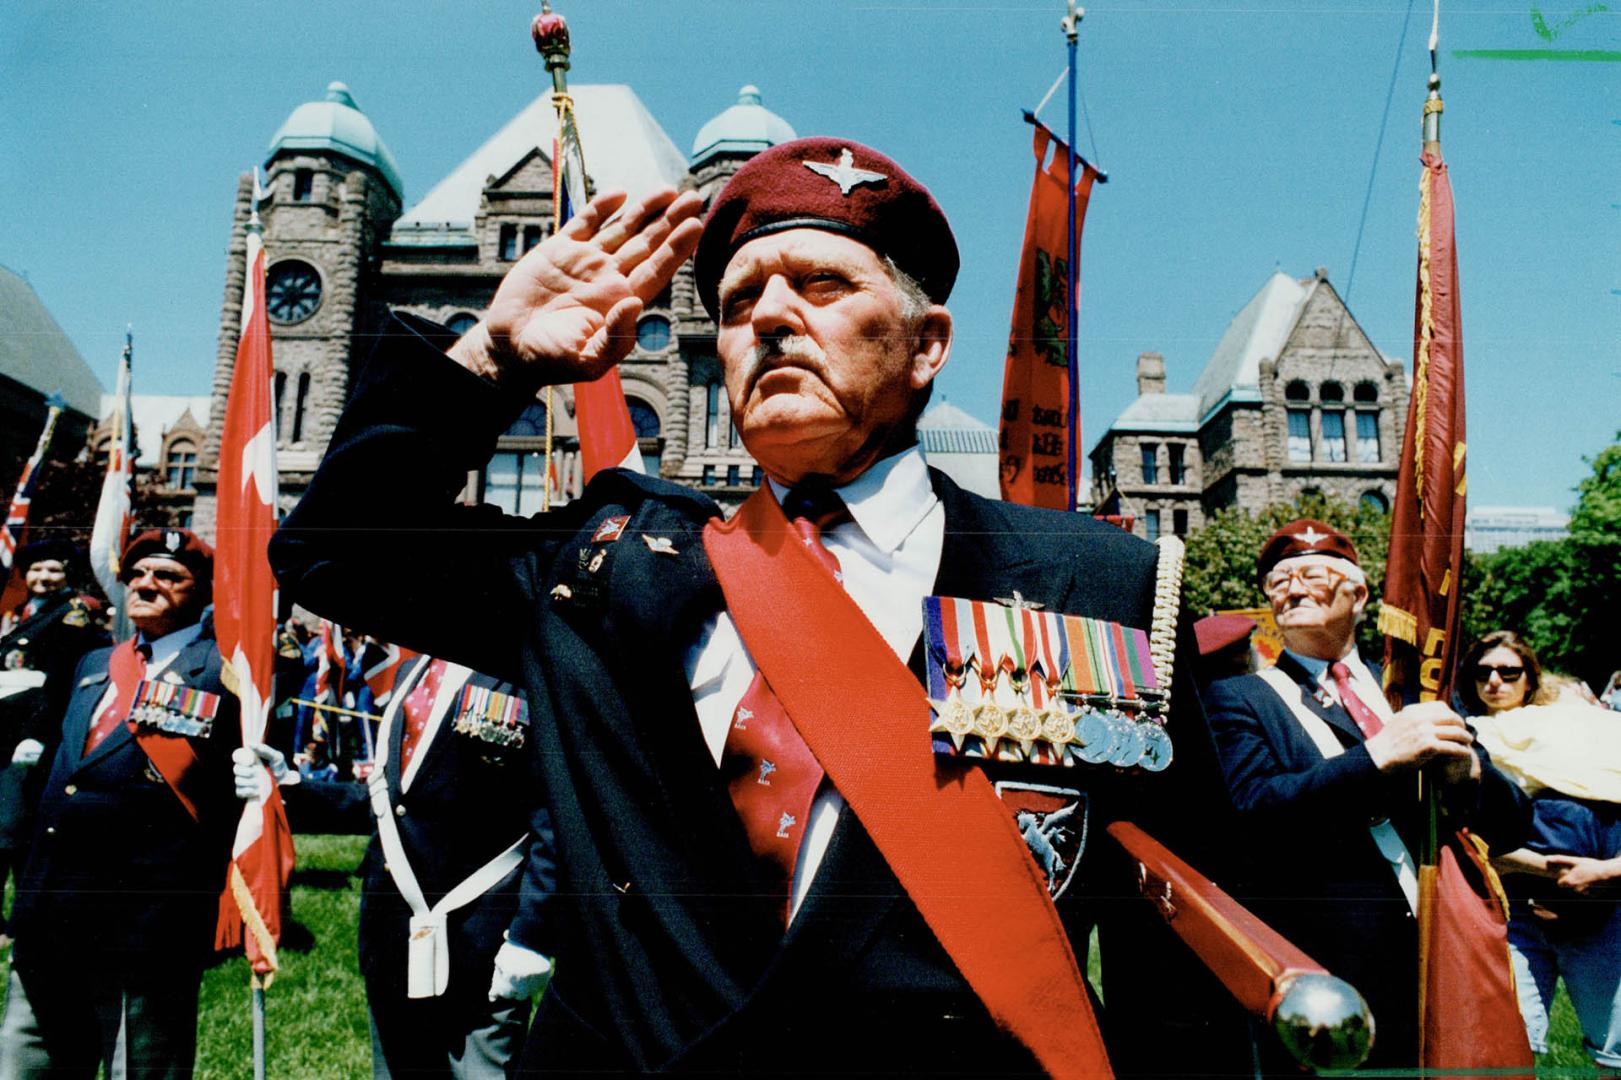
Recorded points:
(1318, 580)
(1483, 672)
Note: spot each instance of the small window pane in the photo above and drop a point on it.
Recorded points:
(531, 236)
(709, 476)
(734, 475)
(1179, 469)
(1297, 391)
(653, 333)
(1367, 436)
(1334, 436)
(303, 184)
(461, 323)
(1299, 435)
(531, 423)
(1150, 463)
(1332, 391)
(1375, 501)
(1151, 523)
(1366, 391)
(712, 416)
(509, 242)
(643, 418)
(501, 478)
(1179, 522)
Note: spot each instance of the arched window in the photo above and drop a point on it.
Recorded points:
(280, 395)
(1375, 501)
(643, 417)
(1297, 391)
(1366, 392)
(299, 404)
(1331, 391)
(181, 465)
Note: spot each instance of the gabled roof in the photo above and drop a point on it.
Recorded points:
(35, 352)
(1256, 332)
(155, 414)
(624, 148)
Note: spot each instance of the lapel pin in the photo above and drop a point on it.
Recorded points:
(659, 545)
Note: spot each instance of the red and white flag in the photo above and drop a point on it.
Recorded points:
(14, 530)
(245, 618)
(113, 513)
(382, 669)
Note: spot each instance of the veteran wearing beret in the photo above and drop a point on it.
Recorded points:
(117, 903)
(41, 642)
(764, 864)
(1324, 776)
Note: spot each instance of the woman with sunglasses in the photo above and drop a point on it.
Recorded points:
(1564, 884)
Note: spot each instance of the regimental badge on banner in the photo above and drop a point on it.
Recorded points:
(1016, 684)
(174, 709)
(493, 717)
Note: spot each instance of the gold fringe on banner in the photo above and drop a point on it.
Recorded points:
(255, 924)
(1398, 623)
(1426, 330)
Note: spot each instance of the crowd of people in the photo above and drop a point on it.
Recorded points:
(657, 791)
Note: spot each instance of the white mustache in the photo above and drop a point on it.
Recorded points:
(796, 348)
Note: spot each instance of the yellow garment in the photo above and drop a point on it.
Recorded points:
(1569, 746)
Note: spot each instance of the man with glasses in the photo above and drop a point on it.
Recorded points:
(1325, 774)
(116, 907)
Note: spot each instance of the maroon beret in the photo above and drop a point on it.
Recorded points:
(1304, 537)
(836, 185)
(182, 545)
(1216, 632)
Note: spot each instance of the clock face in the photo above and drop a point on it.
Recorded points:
(292, 292)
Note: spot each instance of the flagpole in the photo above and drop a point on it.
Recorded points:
(1071, 25)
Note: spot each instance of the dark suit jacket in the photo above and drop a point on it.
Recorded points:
(1313, 870)
(120, 878)
(670, 946)
(52, 642)
(467, 803)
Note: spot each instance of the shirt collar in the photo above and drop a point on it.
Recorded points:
(167, 647)
(1317, 668)
(889, 500)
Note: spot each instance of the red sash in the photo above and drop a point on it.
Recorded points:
(171, 755)
(941, 828)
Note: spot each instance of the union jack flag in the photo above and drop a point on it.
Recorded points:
(14, 533)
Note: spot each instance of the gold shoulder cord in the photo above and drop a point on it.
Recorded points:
(1167, 605)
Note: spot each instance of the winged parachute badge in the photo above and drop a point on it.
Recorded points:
(844, 173)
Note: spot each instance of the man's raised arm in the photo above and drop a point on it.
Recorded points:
(378, 541)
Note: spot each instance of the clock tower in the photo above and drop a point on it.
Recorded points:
(333, 191)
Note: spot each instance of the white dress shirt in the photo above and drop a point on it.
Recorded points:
(889, 554)
(1363, 683)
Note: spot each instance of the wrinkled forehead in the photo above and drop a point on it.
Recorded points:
(154, 563)
(798, 249)
(1351, 570)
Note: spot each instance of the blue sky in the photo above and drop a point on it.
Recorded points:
(1239, 137)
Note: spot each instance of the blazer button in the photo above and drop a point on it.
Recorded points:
(71, 789)
(399, 811)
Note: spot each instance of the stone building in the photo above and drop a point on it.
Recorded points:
(1294, 400)
(170, 432)
(343, 246)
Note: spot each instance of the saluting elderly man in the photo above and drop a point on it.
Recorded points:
(117, 904)
(1325, 778)
(762, 870)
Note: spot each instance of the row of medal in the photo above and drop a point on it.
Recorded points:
(492, 717)
(1018, 685)
(174, 709)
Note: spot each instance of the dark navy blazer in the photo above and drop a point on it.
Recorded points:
(671, 952)
(1312, 869)
(119, 876)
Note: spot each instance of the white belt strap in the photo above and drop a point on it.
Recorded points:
(1385, 837)
(17, 680)
(427, 958)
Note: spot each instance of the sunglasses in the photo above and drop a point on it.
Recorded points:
(1483, 672)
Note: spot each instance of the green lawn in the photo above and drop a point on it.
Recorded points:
(317, 1007)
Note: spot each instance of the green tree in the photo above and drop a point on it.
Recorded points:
(1220, 571)
(1562, 595)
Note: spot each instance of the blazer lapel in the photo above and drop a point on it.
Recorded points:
(456, 677)
(1318, 701)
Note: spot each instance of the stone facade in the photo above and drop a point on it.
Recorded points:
(338, 212)
(1295, 400)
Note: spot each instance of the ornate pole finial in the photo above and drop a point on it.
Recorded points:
(1071, 23)
(550, 31)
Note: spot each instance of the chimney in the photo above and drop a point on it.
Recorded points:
(1150, 373)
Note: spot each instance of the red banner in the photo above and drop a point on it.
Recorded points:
(245, 622)
(1035, 380)
(1419, 616)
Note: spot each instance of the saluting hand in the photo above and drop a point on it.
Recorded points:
(1422, 733)
(567, 311)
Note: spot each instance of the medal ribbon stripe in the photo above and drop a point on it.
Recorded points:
(934, 619)
(1121, 659)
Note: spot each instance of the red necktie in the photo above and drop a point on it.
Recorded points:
(417, 706)
(772, 775)
(126, 668)
(1365, 717)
